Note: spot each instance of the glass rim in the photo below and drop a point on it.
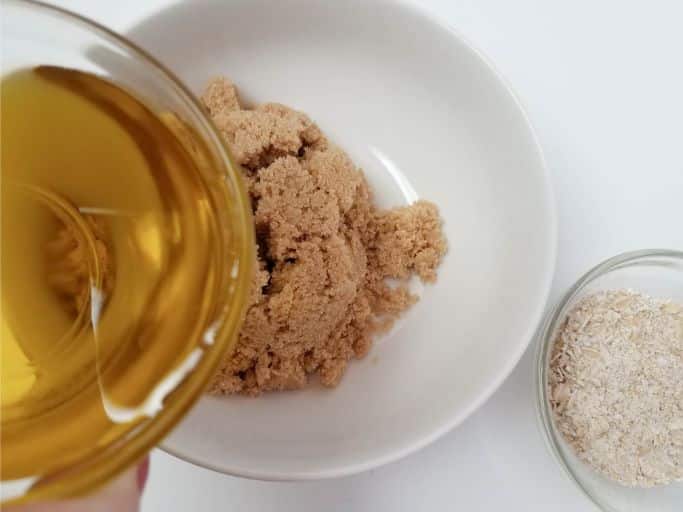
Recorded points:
(149, 434)
(545, 340)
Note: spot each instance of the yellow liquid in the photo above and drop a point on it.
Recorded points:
(109, 257)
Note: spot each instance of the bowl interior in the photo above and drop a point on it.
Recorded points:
(423, 115)
(656, 273)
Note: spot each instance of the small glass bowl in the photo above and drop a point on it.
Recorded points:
(658, 273)
(37, 34)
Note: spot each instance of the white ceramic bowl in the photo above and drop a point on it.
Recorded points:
(424, 115)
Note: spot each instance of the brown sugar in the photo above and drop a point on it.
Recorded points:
(67, 270)
(324, 251)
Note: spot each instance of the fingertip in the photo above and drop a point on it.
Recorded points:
(142, 474)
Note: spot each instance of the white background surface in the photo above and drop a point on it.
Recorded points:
(603, 85)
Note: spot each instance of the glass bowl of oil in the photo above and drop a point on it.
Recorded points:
(127, 248)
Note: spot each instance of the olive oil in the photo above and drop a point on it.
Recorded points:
(109, 257)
